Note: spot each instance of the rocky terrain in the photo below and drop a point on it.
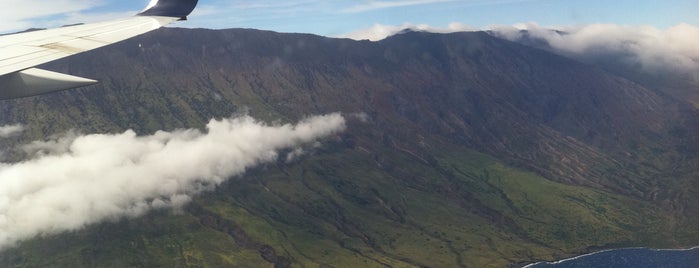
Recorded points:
(461, 150)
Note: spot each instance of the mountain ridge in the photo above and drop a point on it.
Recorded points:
(492, 131)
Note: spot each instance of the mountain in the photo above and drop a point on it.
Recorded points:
(460, 150)
(630, 58)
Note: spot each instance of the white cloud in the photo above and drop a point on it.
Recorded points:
(374, 5)
(17, 14)
(7, 131)
(673, 49)
(380, 31)
(651, 48)
(77, 180)
(54, 146)
(75, 17)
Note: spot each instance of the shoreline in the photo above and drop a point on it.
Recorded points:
(603, 251)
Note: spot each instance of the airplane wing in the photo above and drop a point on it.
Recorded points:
(20, 52)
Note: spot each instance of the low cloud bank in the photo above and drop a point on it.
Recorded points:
(673, 49)
(380, 31)
(76, 180)
(7, 131)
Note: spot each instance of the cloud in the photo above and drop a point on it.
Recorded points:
(18, 14)
(7, 131)
(255, 14)
(673, 49)
(54, 146)
(374, 5)
(76, 180)
(380, 31)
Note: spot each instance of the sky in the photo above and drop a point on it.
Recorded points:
(55, 189)
(337, 18)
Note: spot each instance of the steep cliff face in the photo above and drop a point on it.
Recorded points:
(461, 149)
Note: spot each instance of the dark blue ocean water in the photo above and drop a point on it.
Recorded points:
(631, 258)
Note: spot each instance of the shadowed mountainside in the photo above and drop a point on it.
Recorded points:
(680, 83)
(461, 150)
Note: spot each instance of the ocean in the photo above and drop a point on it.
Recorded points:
(630, 258)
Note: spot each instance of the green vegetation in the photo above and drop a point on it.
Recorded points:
(467, 162)
(338, 209)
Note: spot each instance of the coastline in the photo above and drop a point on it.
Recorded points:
(603, 251)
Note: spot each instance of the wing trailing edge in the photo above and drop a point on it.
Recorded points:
(19, 53)
(34, 81)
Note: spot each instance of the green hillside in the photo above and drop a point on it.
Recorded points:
(461, 150)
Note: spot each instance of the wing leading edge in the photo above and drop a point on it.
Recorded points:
(19, 53)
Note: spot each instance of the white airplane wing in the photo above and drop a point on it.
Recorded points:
(20, 52)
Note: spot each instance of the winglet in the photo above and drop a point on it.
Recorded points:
(170, 8)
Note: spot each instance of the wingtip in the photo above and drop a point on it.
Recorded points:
(170, 8)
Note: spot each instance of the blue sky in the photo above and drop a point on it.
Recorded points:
(338, 17)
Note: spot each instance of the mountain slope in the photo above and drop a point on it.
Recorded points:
(461, 150)
(677, 80)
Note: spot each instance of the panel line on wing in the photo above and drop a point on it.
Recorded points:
(76, 41)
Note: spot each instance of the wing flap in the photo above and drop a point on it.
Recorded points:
(35, 81)
(20, 52)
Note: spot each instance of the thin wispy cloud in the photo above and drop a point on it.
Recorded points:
(333, 17)
(80, 17)
(273, 4)
(231, 14)
(20, 14)
(374, 5)
(7, 131)
(302, 8)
